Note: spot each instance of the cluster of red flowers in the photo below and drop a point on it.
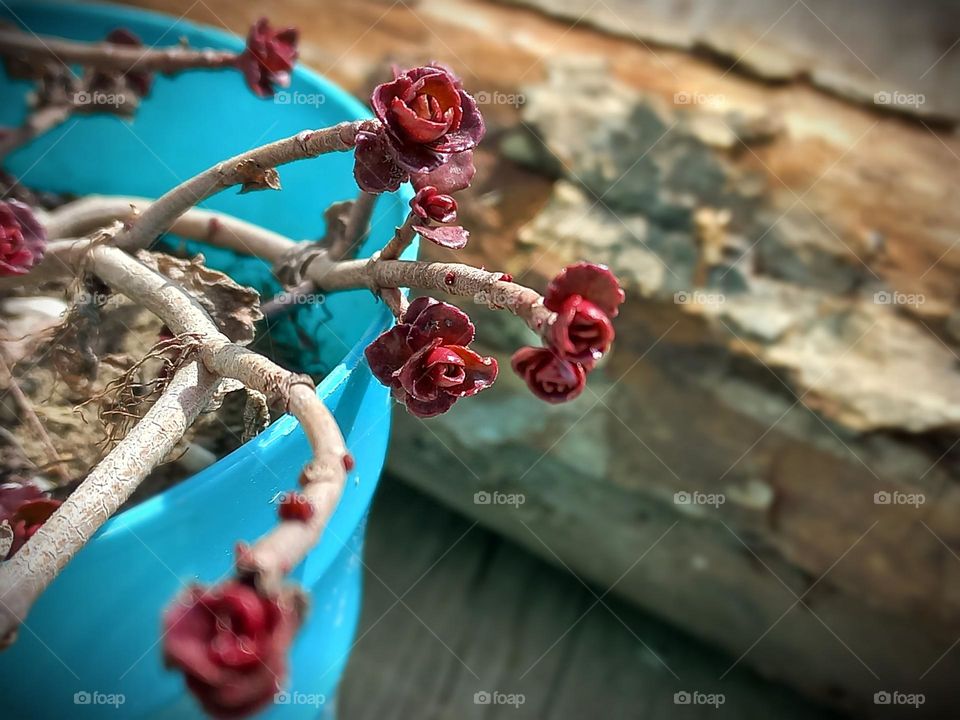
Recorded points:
(24, 508)
(425, 360)
(428, 128)
(584, 297)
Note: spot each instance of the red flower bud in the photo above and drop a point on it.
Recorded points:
(581, 332)
(432, 205)
(294, 506)
(269, 57)
(549, 377)
(584, 296)
(25, 508)
(591, 282)
(139, 81)
(231, 643)
(22, 238)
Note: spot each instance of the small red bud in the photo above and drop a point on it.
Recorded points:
(506, 277)
(294, 506)
(450, 278)
(348, 462)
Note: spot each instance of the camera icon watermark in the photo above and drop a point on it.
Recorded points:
(885, 497)
(686, 697)
(491, 298)
(713, 100)
(895, 697)
(500, 98)
(494, 697)
(296, 299)
(698, 297)
(284, 97)
(498, 498)
(884, 297)
(97, 98)
(285, 697)
(684, 497)
(895, 98)
(86, 697)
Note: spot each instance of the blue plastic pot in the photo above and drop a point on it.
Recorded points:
(93, 639)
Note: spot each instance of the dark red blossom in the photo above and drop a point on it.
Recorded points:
(268, 59)
(549, 377)
(591, 282)
(584, 296)
(22, 238)
(295, 506)
(425, 359)
(138, 80)
(427, 120)
(25, 508)
(231, 643)
(430, 204)
(581, 331)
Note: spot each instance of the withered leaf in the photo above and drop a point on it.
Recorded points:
(234, 308)
(254, 176)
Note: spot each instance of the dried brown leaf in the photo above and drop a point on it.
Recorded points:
(234, 308)
(253, 176)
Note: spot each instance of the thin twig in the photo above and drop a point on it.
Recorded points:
(109, 56)
(36, 124)
(30, 417)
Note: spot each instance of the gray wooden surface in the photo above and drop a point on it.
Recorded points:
(451, 610)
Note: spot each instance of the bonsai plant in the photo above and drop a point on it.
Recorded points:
(230, 640)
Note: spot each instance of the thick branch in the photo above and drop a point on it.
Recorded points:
(109, 56)
(105, 489)
(485, 287)
(323, 478)
(93, 212)
(244, 168)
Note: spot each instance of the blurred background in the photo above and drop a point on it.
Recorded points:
(753, 509)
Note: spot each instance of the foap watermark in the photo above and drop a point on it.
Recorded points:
(299, 98)
(686, 697)
(98, 98)
(698, 297)
(294, 298)
(86, 697)
(495, 697)
(499, 498)
(698, 498)
(884, 497)
(288, 496)
(698, 98)
(896, 98)
(100, 299)
(883, 297)
(500, 98)
(491, 298)
(299, 698)
(895, 697)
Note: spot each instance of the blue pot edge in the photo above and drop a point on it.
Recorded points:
(286, 424)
